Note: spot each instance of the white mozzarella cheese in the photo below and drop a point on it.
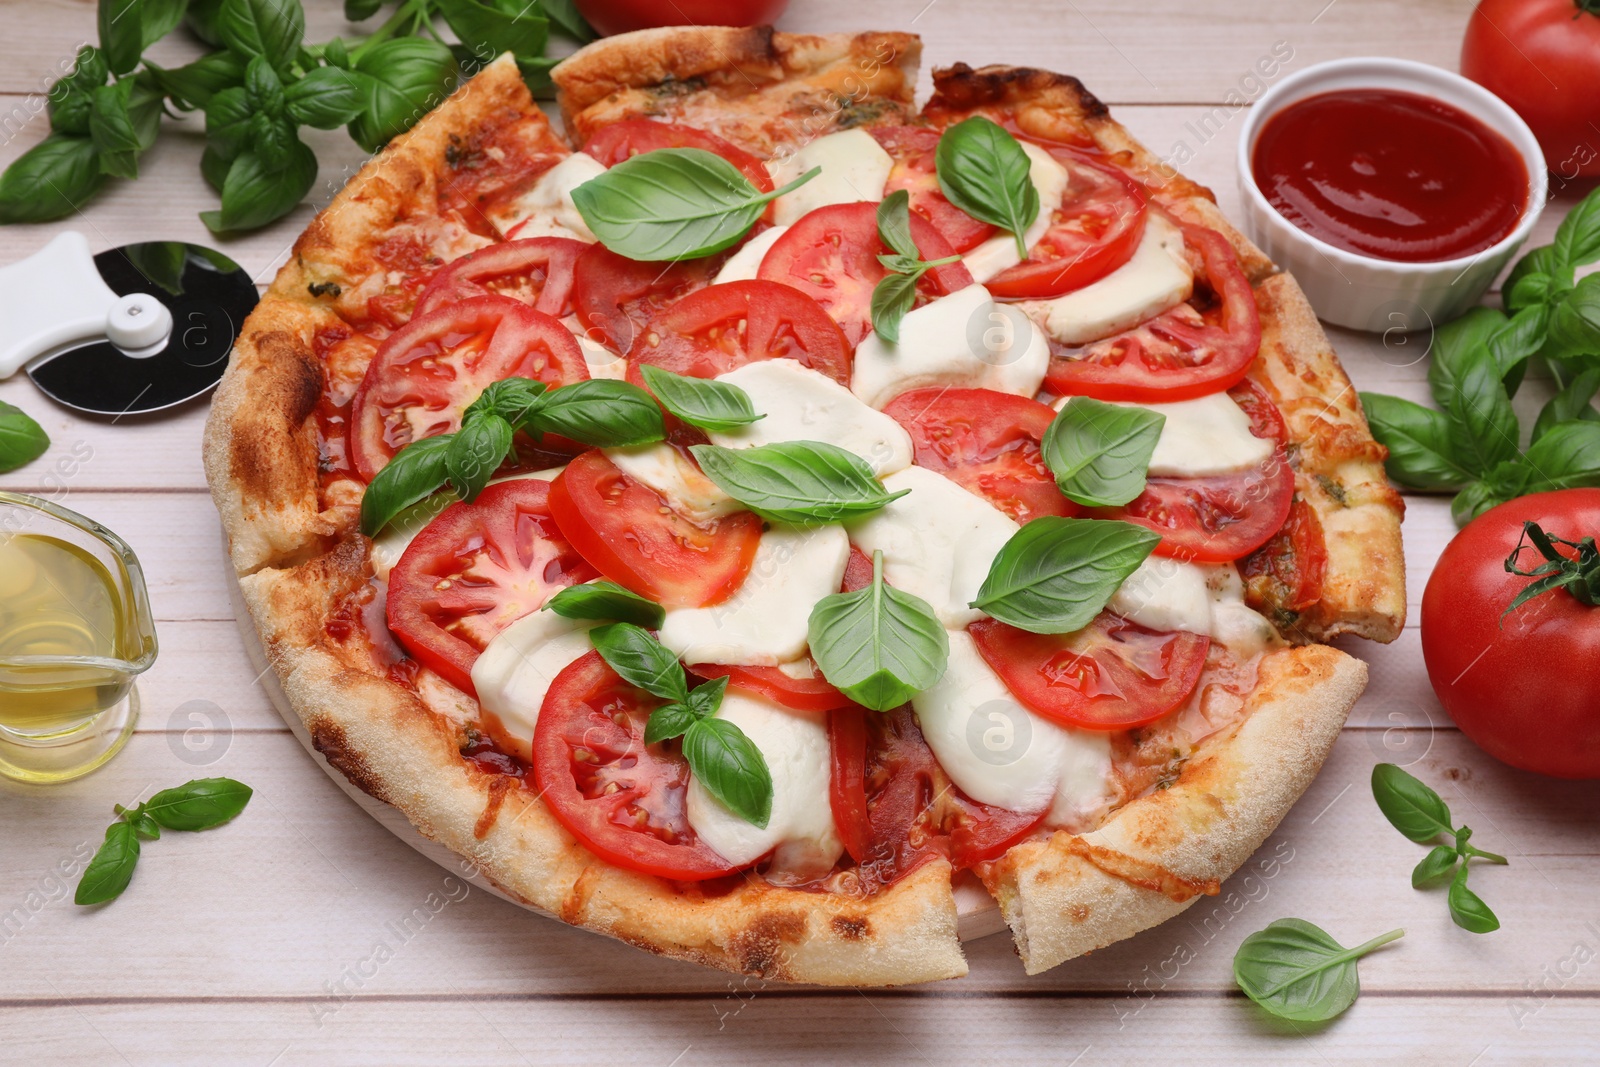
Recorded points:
(1086, 789)
(800, 834)
(854, 167)
(801, 404)
(999, 252)
(745, 264)
(764, 622)
(515, 670)
(1154, 279)
(393, 540)
(938, 541)
(1207, 435)
(672, 474)
(965, 339)
(600, 360)
(1166, 594)
(1233, 622)
(546, 209)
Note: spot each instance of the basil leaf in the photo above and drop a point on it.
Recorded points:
(513, 399)
(1542, 260)
(602, 599)
(271, 28)
(803, 483)
(1055, 575)
(121, 34)
(878, 645)
(194, 85)
(1421, 455)
(1436, 865)
(1477, 497)
(51, 179)
(255, 194)
(415, 473)
(262, 86)
(641, 660)
(1410, 806)
(983, 171)
(406, 78)
(487, 31)
(599, 412)
(21, 439)
(1296, 971)
(199, 804)
(111, 130)
(158, 18)
(1533, 289)
(673, 203)
(669, 721)
(1100, 453)
(719, 406)
(894, 226)
(564, 13)
(1467, 384)
(1467, 909)
(201, 18)
(731, 768)
(109, 873)
(361, 10)
(143, 825)
(70, 98)
(1566, 457)
(326, 98)
(892, 297)
(707, 698)
(1575, 321)
(476, 452)
(228, 119)
(1518, 339)
(1577, 239)
(1573, 402)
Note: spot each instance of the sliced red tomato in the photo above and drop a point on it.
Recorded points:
(618, 141)
(475, 570)
(1096, 230)
(1111, 675)
(426, 373)
(912, 148)
(803, 694)
(982, 832)
(615, 297)
(715, 330)
(633, 536)
(986, 442)
(1187, 351)
(857, 571)
(1284, 576)
(832, 253)
(536, 271)
(623, 799)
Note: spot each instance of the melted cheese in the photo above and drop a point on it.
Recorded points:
(515, 670)
(854, 167)
(999, 252)
(546, 209)
(1205, 436)
(1154, 279)
(672, 474)
(600, 360)
(1166, 594)
(745, 264)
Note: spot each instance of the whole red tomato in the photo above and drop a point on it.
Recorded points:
(1543, 58)
(1526, 688)
(620, 16)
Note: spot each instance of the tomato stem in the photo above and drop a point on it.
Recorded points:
(1591, 7)
(1577, 572)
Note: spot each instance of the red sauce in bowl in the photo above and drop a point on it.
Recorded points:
(1391, 174)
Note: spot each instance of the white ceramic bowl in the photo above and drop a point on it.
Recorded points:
(1363, 292)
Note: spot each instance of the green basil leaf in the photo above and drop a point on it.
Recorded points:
(157, 18)
(143, 824)
(1542, 260)
(111, 130)
(228, 118)
(1467, 909)
(536, 75)
(707, 698)
(602, 599)
(878, 645)
(262, 86)
(1575, 321)
(513, 399)
(53, 178)
(710, 405)
(669, 721)
(599, 412)
(1421, 454)
(1435, 866)
(1577, 240)
(272, 140)
(21, 439)
(1100, 453)
(892, 297)
(255, 194)
(109, 873)
(71, 97)
(1533, 289)
(406, 78)
(731, 768)
(488, 31)
(199, 804)
(361, 10)
(1513, 343)
(1296, 971)
(894, 225)
(201, 18)
(1468, 385)
(672, 204)
(271, 28)
(1411, 806)
(641, 660)
(1055, 575)
(1573, 402)
(984, 171)
(565, 15)
(326, 98)
(121, 33)
(415, 473)
(214, 168)
(476, 452)
(803, 483)
(1567, 456)
(1477, 497)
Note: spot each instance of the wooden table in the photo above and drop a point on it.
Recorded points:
(306, 933)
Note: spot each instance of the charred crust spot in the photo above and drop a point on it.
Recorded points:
(332, 289)
(499, 786)
(283, 392)
(762, 948)
(852, 927)
(329, 739)
(961, 87)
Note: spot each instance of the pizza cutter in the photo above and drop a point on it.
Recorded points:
(134, 329)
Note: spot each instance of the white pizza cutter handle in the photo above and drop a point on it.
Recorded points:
(56, 298)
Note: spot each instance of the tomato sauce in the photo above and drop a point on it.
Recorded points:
(1391, 174)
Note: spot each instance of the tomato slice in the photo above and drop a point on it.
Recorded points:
(982, 832)
(623, 799)
(618, 141)
(1187, 351)
(913, 148)
(634, 537)
(536, 271)
(715, 330)
(831, 255)
(986, 442)
(615, 297)
(802, 694)
(426, 373)
(857, 571)
(1111, 675)
(475, 570)
(1096, 230)
(1285, 575)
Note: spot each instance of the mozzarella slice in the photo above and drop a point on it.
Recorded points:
(938, 541)
(854, 167)
(1166, 594)
(515, 670)
(999, 252)
(393, 540)
(745, 264)
(1233, 622)
(546, 208)
(672, 474)
(801, 404)
(1154, 279)
(800, 834)
(1207, 435)
(965, 339)
(764, 622)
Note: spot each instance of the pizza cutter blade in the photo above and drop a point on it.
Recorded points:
(134, 329)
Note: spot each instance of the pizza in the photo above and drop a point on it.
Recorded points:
(701, 600)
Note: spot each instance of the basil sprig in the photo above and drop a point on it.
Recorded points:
(710, 405)
(985, 172)
(1100, 453)
(878, 646)
(21, 439)
(720, 755)
(1055, 575)
(1296, 971)
(1422, 815)
(602, 599)
(896, 292)
(673, 203)
(802, 483)
(196, 805)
